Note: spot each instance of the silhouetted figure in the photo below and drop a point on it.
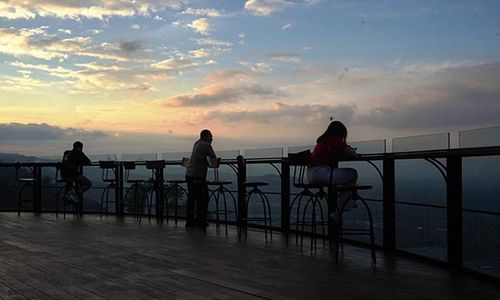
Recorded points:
(71, 164)
(196, 174)
(331, 146)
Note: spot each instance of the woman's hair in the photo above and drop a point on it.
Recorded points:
(336, 128)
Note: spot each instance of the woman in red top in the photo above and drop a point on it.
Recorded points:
(331, 146)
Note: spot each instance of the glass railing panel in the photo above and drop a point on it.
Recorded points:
(482, 242)
(263, 153)
(418, 181)
(420, 209)
(49, 158)
(175, 155)
(421, 142)
(296, 149)
(482, 137)
(481, 216)
(98, 157)
(369, 147)
(421, 230)
(139, 156)
(228, 154)
(480, 183)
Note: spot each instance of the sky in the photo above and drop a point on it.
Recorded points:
(130, 76)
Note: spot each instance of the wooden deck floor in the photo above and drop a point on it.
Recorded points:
(44, 257)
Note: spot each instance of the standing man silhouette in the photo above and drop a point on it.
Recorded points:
(72, 161)
(196, 174)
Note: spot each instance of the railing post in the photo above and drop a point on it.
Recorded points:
(285, 193)
(454, 210)
(119, 190)
(389, 203)
(159, 182)
(37, 189)
(242, 175)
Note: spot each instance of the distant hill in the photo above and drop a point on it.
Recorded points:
(10, 158)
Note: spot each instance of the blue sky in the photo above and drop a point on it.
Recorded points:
(257, 72)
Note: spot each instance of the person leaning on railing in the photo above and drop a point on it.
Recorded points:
(330, 147)
(72, 161)
(196, 173)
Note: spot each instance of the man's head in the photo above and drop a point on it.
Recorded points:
(206, 135)
(78, 146)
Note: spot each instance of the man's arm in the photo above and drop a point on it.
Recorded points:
(85, 160)
(211, 152)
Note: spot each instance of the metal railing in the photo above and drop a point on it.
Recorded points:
(448, 163)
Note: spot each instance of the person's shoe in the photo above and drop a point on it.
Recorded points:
(72, 197)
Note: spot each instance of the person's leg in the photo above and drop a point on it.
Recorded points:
(190, 202)
(84, 184)
(345, 176)
(202, 204)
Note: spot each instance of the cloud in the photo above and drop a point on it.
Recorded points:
(135, 26)
(287, 26)
(92, 9)
(285, 57)
(212, 42)
(266, 7)
(67, 31)
(94, 76)
(454, 96)
(43, 131)
(258, 67)
(201, 26)
(215, 94)
(279, 113)
(174, 64)
(131, 46)
(38, 43)
(202, 12)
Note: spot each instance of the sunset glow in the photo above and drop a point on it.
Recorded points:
(149, 75)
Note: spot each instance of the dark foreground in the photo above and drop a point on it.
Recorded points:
(44, 257)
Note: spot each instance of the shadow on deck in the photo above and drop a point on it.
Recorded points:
(46, 257)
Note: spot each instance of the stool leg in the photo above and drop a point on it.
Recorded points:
(297, 223)
(266, 200)
(265, 213)
(217, 220)
(246, 213)
(102, 201)
(107, 199)
(225, 206)
(303, 222)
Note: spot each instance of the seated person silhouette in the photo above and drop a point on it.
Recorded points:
(72, 161)
(331, 146)
(196, 173)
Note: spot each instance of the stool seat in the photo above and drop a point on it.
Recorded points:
(26, 179)
(177, 181)
(309, 185)
(135, 180)
(255, 183)
(219, 182)
(351, 187)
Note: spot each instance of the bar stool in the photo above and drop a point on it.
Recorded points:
(156, 181)
(266, 207)
(339, 231)
(220, 189)
(107, 167)
(137, 186)
(177, 188)
(66, 187)
(299, 162)
(25, 177)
